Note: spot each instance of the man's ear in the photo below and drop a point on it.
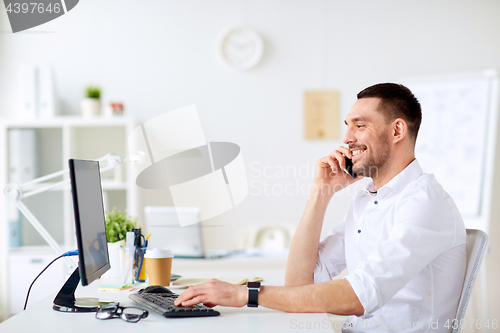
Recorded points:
(399, 130)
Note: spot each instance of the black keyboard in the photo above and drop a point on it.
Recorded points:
(163, 303)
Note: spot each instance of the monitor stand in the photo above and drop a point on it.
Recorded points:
(65, 300)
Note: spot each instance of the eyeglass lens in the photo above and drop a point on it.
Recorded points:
(133, 314)
(130, 314)
(106, 312)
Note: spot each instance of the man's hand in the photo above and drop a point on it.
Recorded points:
(330, 176)
(212, 293)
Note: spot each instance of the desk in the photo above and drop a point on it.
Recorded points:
(40, 317)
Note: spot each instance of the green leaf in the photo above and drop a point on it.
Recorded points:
(93, 92)
(117, 222)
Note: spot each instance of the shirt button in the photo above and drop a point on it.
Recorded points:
(375, 202)
(359, 231)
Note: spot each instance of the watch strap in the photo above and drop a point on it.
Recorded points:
(253, 298)
(253, 294)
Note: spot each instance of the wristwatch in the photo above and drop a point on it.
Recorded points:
(253, 294)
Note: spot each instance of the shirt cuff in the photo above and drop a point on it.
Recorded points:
(365, 289)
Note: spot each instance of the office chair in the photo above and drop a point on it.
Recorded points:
(475, 250)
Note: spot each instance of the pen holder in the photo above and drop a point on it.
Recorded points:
(126, 264)
(140, 265)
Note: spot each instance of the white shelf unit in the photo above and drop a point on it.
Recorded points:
(58, 140)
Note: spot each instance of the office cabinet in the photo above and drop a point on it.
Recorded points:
(56, 140)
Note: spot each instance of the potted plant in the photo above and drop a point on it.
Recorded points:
(118, 223)
(91, 104)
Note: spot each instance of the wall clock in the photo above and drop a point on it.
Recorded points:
(241, 48)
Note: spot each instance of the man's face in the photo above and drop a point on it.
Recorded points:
(368, 137)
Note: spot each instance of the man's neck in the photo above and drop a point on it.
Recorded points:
(391, 170)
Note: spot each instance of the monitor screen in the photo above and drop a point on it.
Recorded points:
(89, 219)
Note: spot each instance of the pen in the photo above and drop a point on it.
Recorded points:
(139, 268)
(124, 254)
(141, 262)
(141, 258)
(146, 241)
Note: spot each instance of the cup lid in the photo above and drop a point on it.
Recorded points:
(158, 253)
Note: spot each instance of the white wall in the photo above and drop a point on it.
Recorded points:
(159, 55)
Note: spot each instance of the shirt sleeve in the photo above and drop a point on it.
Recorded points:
(424, 227)
(331, 254)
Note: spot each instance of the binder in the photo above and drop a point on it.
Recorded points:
(22, 155)
(46, 100)
(27, 89)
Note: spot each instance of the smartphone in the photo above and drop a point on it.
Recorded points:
(348, 167)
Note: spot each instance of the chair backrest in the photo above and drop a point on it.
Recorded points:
(477, 242)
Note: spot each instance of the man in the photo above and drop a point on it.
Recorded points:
(402, 239)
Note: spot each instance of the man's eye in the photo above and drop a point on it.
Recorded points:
(360, 126)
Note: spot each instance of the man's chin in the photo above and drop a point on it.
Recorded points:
(360, 173)
(365, 171)
(359, 169)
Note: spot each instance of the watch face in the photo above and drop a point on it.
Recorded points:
(241, 48)
(253, 285)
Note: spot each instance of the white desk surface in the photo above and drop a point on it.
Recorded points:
(41, 318)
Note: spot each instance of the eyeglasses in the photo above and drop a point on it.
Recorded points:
(129, 314)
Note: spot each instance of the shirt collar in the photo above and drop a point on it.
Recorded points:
(399, 182)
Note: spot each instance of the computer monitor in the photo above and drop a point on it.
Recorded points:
(90, 236)
(89, 219)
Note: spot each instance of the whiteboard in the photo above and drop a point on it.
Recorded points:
(454, 140)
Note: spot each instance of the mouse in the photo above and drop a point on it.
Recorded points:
(155, 290)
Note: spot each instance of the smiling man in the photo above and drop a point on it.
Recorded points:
(402, 239)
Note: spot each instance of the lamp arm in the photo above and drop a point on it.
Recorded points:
(46, 177)
(43, 189)
(15, 193)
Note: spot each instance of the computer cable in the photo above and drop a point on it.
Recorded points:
(67, 254)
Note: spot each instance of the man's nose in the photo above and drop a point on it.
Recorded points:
(349, 137)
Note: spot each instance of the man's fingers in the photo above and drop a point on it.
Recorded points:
(187, 295)
(193, 301)
(333, 164)
(339, 157)
(193, 295)
(178, 301)
(188, 300)
(211, 293)
(329, 162)
(345, 151)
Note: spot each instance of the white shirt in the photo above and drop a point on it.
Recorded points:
(404, 249)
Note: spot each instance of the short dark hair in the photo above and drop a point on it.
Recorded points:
(396, 101)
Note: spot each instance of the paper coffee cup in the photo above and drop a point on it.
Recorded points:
(159, 266)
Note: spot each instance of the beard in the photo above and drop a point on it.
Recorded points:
(376, 159)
